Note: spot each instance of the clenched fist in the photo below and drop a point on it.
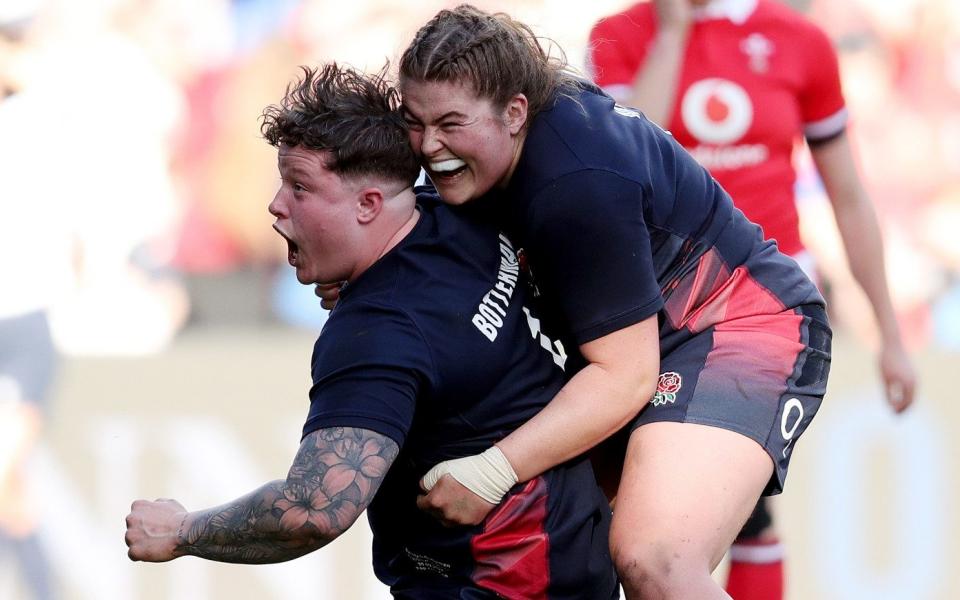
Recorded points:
(154, 529)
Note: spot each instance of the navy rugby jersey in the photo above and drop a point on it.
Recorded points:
(432, 347)
(619, 222)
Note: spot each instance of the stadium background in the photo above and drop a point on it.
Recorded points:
(186, 344)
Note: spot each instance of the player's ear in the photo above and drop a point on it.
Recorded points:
(515, 113)
(369, 204)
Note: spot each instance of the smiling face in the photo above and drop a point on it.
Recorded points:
(464, 142)
(316, 213)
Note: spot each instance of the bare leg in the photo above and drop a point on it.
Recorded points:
(686, 491)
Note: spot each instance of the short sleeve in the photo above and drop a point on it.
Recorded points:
(370, 364)
(616, 49)
(590, 252)
(821, 100)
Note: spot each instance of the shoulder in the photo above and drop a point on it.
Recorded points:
(451, 227)
(367, 331)
(575, 113)
(583, 204)
(360, 341)
(588, 130)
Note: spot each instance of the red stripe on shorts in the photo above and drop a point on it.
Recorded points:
(755, 324)
(512, 553)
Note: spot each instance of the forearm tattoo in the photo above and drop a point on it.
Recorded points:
(334, 477)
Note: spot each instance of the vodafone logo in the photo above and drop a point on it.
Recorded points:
(716, 111)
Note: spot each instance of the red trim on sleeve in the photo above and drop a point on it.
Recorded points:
(822, 95)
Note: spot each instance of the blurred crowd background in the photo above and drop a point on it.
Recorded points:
(133, 193)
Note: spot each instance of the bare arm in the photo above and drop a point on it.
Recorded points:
(860, 232)
(599, 400)
(616, 384)
(334, 476)
(654, 90)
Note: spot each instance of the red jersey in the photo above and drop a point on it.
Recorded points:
(756, 76)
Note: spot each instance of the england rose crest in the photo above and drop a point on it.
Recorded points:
(667, 387)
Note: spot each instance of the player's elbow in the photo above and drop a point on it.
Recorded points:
(632, 389)
(639, 390)
(629, 360)
(636, 380)
(645, 388)
(312, 536)
(327, 528)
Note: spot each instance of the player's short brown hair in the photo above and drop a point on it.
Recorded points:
(352, 115)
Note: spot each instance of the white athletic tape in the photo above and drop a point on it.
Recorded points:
(488, 475)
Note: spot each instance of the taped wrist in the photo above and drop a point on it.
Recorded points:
(488, 475)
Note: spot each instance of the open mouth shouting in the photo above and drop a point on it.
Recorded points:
(293, 251)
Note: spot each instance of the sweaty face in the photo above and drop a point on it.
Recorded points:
(466, 145)
(315, 213)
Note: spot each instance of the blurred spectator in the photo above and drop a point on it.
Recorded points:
(34, 262)
(115, 113)
(899, 63)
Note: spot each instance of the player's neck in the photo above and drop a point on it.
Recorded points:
(402, 232)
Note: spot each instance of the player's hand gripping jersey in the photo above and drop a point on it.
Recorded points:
(432, 347)
(618, 222)
(752, 82)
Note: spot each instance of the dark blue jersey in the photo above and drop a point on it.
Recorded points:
(432, 347)
(619, 222)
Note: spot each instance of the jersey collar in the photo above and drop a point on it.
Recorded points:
(737, 11)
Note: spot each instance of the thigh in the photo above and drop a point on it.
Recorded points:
(688, 487)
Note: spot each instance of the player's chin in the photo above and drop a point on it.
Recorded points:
(455, 193)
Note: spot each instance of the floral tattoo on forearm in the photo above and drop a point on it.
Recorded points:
(334, 476)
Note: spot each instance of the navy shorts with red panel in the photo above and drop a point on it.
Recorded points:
(735, 356)
(540, 542)
(763, 377)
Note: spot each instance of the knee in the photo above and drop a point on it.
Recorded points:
(657, 569)
(643, 571)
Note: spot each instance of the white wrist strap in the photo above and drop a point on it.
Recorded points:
(488, 475)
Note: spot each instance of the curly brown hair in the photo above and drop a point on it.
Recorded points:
(352, 115)
(497, 54)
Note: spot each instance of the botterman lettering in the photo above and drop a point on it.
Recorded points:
(493, 307)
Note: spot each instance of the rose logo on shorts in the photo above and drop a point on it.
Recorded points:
(667, 387)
